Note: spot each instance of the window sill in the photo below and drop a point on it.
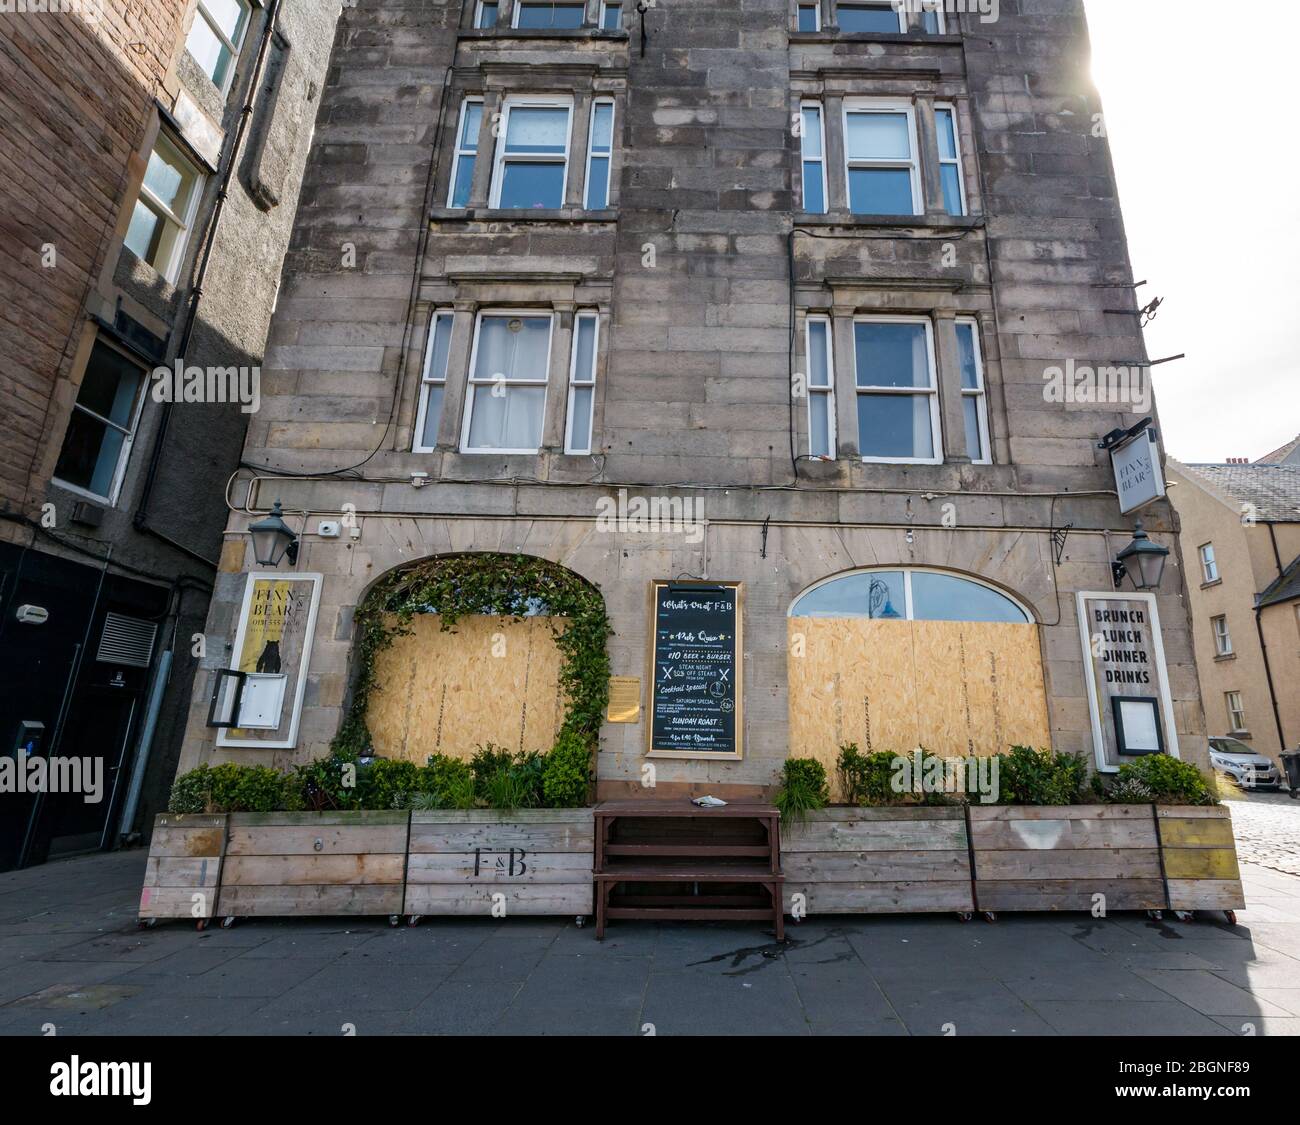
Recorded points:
(500, 34)
(510, 215)
(1223, 657)
(1245, 735)
(848, 219)
(1210, 585)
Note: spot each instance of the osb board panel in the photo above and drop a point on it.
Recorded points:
(1072, 894)
(1206, 894)
(881, 898)
(271, 902)
(954, 687)
(507, 901)
(492, 679)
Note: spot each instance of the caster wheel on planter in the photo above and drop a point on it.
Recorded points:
(227, 921)
(201, 925)
(1231, 916)
(413, 920)
(1155, 915)
(394, 919)
(1185, 915)
(580, 921)
(990, 916)
(964, 916)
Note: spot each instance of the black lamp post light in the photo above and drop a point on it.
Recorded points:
(1142, 561)
(273, 539)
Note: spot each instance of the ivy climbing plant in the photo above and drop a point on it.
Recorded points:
(456, 586)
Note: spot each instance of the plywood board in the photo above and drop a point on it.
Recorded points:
(493, 679)
(183, 870)
(956, 688)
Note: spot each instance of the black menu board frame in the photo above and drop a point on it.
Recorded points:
(658, 743)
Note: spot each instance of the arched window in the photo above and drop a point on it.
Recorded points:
(908, 595)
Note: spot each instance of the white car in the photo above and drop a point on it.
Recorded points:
(1248, 768)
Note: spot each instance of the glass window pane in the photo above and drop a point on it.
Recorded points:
(947, 138)
(109, 385)
(510, 418)
(169, 179)
(538, 129)
(951, 189)
(584, 361)
(532, 186)
(441, 347)
(812, 132)
(464, 181)
(819, 425)
(943, 597)
(930, 22)
(487, 15)
(432, 415)
(602, 127)
(966, 353)
(868, 17)
(974, 441)
(611, 17)
(807, 17)
(550, 15)
(229, 16)
(891, 355)
(144, 233)
(814, 195)
(513, 347)
(880, 191)
(470, 127)
(89, 455)
(894, 426)
(819, 372)
(598, 183)
(207, 50)
(877, 594)
(879, 136)
(580, 429)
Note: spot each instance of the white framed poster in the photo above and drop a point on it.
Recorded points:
(1129, 701)
(273, 649)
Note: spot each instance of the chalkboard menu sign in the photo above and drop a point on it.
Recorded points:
(695, 670)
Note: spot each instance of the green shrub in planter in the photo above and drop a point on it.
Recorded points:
(566, 775)
(257, 789)
(328, 784)
(1041, 777)
(870, 779)
(803, 789)
(507, 781)
(386, 783)
(191, 791)
(1158, 778)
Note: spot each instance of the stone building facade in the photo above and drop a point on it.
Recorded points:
(143, 228)
(832, 281)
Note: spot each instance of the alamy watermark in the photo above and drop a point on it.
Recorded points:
(919, 772)
(1115, 386)
(676, 515)
(180, 383)
(987, 10)
(33, 774)
(88, 9)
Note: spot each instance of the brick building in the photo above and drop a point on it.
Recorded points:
(142, 227)
(819, 309)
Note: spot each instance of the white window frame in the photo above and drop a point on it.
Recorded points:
(979, 393)
(460, 151)
(128, 439)
(817, 14)
(936, 430)
(941, 27)
(804, 106)
(1236, 710)
(170, 269)
(1209, 563)
(471, 383)
(1222, 635)
(478, 16)
(201, 13)
(499, 156)
(900, 11)
(908, 607)
(828, 392)
(605, 8)
(575, 382)
(429, 378)
(519, 7)
(591, 138)
(913, 166)
(955, 161)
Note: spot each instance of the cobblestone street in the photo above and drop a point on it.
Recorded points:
(1267, 827)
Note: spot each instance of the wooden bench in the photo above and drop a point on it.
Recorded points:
(671, 859)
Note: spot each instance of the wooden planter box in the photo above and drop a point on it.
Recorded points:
(314, 863)
(1200, 858)
(878, 861)
(1059, 858)
(484, 862)
(184, 867)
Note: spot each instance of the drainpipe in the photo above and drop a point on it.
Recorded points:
(140, 520)
(1268, 674)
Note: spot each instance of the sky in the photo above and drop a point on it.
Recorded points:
(1197, 104)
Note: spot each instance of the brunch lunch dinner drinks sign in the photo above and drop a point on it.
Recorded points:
(695, 670)
(1130, 706)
